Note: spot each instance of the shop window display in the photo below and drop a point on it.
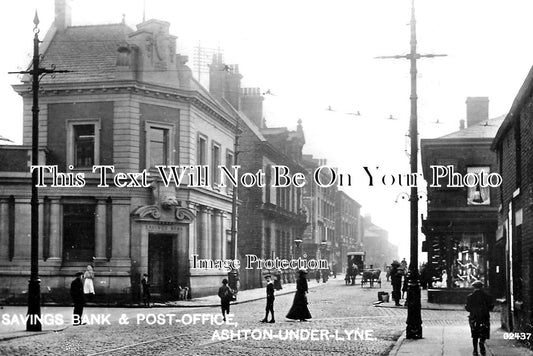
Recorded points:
(469, 264)
(464, 257)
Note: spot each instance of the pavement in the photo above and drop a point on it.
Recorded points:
(455, 339)
(440, 338)
(17, 328)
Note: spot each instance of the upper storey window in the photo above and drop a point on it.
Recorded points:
(83, 143)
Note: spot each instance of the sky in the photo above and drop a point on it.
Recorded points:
(312, 55)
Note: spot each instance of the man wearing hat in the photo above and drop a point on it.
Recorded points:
(270, 299)
(396, 281)
(479, 304)
(76, 292)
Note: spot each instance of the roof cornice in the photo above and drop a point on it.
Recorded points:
(195, 98)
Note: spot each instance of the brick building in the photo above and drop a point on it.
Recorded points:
(131, 102)
(319, 203)
(513, 147)
(461, 222)
(348, 229)
(270, 218)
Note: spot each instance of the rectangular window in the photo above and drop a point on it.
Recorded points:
(230, 161)
(202, 150)
(480, 193)
(78, 232)
(215, 162)
(83, 145)
(83, 142)
(158, 144)
(268, 185)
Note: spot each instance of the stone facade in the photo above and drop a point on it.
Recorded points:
(129, 102)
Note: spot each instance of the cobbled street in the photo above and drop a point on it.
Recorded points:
(334, 307)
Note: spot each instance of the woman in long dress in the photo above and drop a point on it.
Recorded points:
(88, 285)
(299, 310)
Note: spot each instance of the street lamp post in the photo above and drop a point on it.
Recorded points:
(33, 322)
(414, 319)
(34, 284)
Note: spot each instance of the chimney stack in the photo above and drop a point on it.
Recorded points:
(461, 124)
(252, 105)
(63, 14)
(225, 81)
(477, 110)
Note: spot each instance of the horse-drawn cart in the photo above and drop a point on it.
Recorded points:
(371, 276)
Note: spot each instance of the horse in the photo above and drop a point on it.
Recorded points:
(371, 276)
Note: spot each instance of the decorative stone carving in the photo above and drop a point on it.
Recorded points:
(168, 201)
(146, 210)
(184, 215)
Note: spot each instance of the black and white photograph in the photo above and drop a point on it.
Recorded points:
(275, 177)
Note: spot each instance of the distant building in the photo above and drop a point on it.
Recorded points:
(348, 230)
(461, 223)
(379, 251)
(319, 203)
(513, 148)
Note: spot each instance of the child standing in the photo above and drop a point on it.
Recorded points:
(270, 300)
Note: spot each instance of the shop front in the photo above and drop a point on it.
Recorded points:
(458, 256)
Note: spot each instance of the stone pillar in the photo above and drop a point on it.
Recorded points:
(22, 241)
(203, 233)
(4, 229)
(223, 242)
(217, 235)
(120, 249)
(210, 232)
(100, 233)
(56, 236)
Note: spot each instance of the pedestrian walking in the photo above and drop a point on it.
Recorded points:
(325, 275)
(146, 290)
(270, 300)
(479, 304)
(276, 279)
(405, 283)
(396, 281)
(88, 284)
(78, 298)
(404, 264)
(299, 310)
(317, 275)
(225, 293)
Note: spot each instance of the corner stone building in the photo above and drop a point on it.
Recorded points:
(130, 102)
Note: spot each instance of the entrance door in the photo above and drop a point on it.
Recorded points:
(161, 266)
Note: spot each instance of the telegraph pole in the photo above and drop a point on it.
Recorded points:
(235, 272)
(34, 285)
(234, 197)
(414, 318)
